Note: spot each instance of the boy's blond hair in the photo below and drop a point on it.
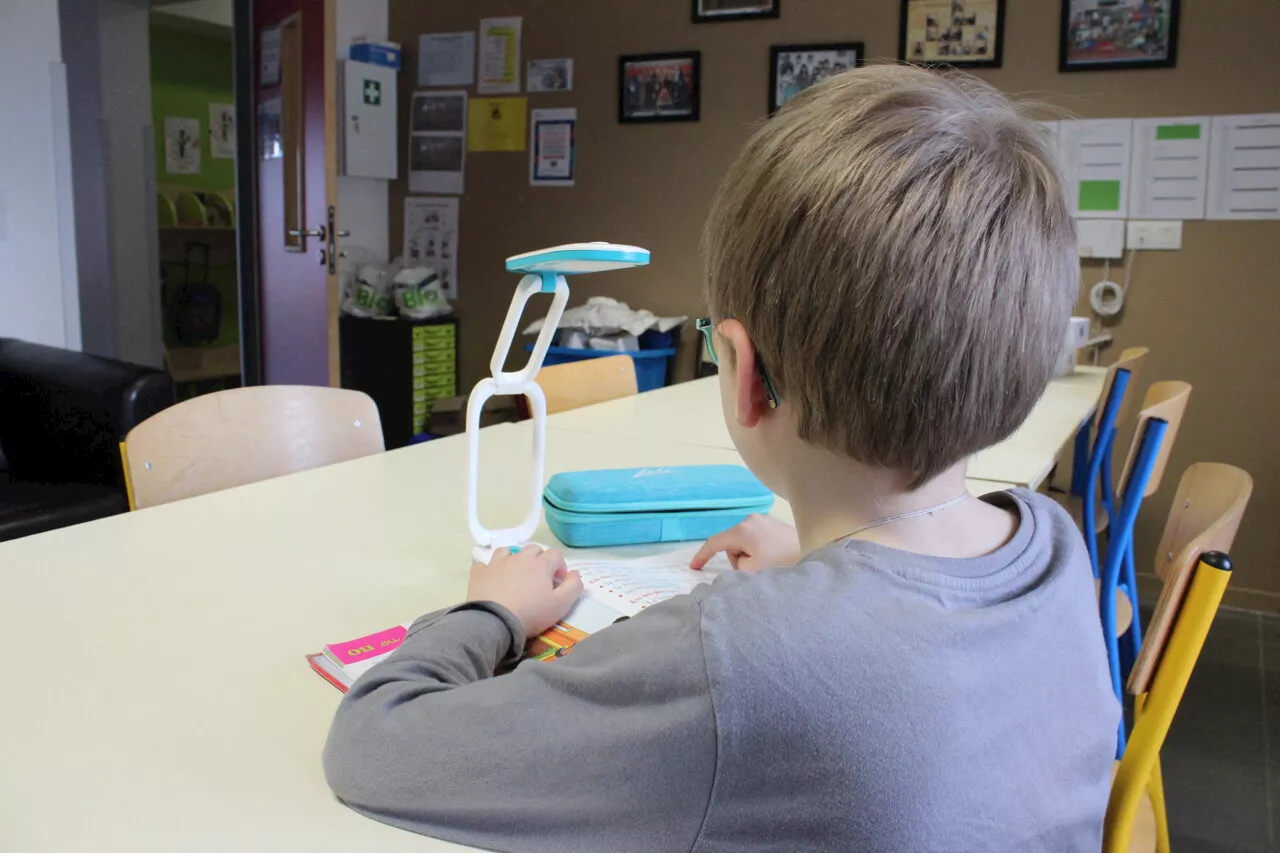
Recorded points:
(897, 244)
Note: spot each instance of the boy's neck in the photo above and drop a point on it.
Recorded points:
(832, 496)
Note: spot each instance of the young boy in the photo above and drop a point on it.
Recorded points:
(890, 266)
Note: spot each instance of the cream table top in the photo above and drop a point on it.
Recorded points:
(157, 698)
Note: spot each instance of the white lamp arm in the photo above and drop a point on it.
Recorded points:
(520, 382)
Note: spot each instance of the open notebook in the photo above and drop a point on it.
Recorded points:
(613, 590)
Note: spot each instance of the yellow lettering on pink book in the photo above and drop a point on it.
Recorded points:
(373, 645)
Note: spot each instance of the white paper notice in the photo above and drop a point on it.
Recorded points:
(1170, 162)
(1244, 167)
(269, 50)
(552, 147)
(1095, 163)
(446, 59)
(431, 237)
(222, 131)
(437, 142)
(181, 146)
(499, 62)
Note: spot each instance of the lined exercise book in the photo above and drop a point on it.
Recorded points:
(613, 590)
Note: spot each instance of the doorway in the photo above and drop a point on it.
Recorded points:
(197, 205)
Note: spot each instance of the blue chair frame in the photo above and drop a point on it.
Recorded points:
(1095, 475)
(1119, 558)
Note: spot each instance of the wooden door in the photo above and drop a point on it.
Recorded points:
(295, 95)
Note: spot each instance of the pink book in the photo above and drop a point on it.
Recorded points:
(342, 663)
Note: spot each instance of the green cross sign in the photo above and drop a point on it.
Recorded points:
(372, 92)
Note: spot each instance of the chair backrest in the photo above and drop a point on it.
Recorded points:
(584, 383)
(1168, 402)
(1205, 516)
(244, 435)
(1131, 360)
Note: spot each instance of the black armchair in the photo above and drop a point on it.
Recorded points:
(62, 417)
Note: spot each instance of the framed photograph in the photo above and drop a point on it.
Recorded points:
(795, 67)
(659, 87)
(550, 75)
(959, 33)
(1106, 35)
(706, 11)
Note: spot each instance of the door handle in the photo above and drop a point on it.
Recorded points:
(318, 233)
(344, 233)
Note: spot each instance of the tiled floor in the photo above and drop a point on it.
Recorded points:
(1222, 758)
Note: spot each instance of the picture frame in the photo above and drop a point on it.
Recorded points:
(795, 67)
(1118, 36)
(659, 87)
(714, 11)
(952, 33)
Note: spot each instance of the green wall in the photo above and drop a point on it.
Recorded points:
(188, 73)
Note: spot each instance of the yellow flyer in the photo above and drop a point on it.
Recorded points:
(497, 124)
(499, 56)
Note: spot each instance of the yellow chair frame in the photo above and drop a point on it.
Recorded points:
(1192, 562)
(1139, 770)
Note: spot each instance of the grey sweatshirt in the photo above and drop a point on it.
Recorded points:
(866, 699)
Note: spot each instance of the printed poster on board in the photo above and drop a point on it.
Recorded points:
(181, 145)
(222, 131)
(552, 147)
(431, 237)
(499, 63)
(446, 59)
(497, 124)
(437, 141)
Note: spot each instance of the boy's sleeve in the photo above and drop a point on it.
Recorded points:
(612, 747)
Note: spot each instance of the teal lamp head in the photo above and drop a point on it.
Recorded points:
(578, 258)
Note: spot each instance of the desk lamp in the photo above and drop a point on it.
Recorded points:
(544, 272)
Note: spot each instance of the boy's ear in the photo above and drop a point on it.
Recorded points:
(752, 399)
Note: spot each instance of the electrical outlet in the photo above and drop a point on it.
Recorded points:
(1154, 235)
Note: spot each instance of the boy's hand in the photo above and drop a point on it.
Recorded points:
(526, 584)
(758, 543)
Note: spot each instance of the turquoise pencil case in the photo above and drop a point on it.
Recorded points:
(631, 506)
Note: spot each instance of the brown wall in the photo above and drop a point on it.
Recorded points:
(1210, 313)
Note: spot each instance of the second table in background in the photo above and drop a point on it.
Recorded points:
(690, 413)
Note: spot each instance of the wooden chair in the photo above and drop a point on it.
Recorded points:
(1164, 401)
(583, 383)
(1091, 468)
(244, 435)
(1195, 569)
(1131, 359)
(1158, 422)
(1114, 399)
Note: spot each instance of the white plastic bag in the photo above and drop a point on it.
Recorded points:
(365, 284)
(419, 293)
(602, 316)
